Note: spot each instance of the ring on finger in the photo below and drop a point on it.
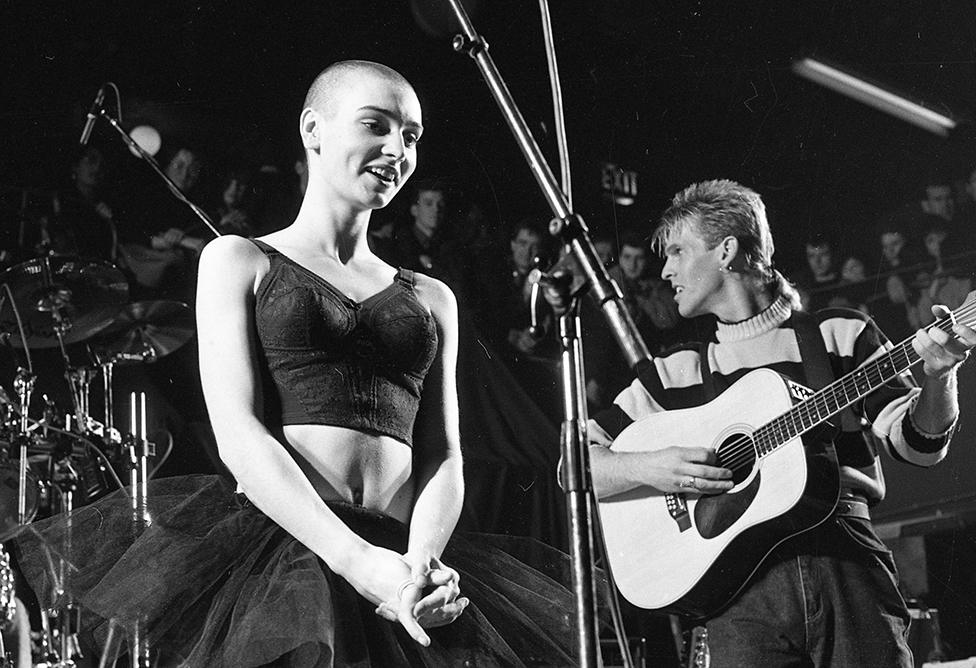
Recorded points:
(690, 481)
(403, 587)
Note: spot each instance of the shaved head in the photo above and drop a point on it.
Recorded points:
(330, 82)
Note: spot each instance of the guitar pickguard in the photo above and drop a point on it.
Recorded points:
(715, 514)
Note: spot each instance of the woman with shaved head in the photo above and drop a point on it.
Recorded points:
(330, 381)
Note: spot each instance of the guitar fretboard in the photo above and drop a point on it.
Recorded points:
(834, 398)
(842, 393)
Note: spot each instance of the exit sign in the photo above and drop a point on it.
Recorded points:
(619, 184)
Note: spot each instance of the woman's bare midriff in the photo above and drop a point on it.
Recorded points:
(343, 464)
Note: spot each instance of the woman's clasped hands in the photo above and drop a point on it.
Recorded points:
(416, 591)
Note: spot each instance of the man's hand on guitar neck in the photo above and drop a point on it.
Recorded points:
(940, 351)
(937, 406)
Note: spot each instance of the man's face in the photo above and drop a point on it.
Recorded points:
(184, 169)
(820, 260)
(632, 261)
(368, 140)
(853, 270)
(428, 211)
(693, 270)
(891, 245)
(938, 202)
(525, 246)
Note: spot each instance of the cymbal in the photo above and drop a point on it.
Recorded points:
(145, 331)
(81, 294)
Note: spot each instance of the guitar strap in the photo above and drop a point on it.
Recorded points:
(816, 362)
(813, 352)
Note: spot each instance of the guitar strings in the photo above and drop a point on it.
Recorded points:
(741, 452)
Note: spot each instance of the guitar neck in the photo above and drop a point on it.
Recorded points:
(840, 394)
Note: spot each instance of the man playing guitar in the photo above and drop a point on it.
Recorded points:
(823, 594)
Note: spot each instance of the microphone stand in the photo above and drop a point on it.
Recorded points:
(175, 189)
(587, 272)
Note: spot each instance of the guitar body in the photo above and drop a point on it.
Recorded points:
(690, 554)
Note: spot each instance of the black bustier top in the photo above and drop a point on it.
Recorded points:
(326, 359)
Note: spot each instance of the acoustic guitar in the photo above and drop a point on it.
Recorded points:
(690, 554)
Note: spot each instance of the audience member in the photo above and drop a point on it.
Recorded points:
(817, 283)
(937, 198)
(853, 288)
(155, 245)
(424, 245)
(84, 222)
(503, 312)
(232, 214)
(939, 282)
(650, 302)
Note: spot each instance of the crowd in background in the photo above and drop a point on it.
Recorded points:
(898, 265)
(893, 267)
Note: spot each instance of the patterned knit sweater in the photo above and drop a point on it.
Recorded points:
(767, 340)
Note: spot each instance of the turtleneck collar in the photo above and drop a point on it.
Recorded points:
(766, 320)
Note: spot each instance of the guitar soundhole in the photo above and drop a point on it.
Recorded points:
(738, 453)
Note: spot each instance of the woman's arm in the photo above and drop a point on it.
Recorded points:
(437, 469)
(437, 445)
(229, 270)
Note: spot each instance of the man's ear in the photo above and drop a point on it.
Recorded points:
(730, 250)
(309, 129)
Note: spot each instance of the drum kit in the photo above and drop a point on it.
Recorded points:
(52, 462)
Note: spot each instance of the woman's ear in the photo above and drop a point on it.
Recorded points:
(309, 129)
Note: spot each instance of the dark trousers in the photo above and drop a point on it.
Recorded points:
(826, 599)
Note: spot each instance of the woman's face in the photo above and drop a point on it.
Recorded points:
(368, 141)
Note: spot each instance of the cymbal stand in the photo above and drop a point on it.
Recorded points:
(24, 386)
(65, 614)
(108, 368)
(79, 381)
(139, 449)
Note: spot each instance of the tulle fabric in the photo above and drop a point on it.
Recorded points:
(218, 584)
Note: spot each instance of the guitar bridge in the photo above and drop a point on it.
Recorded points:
(678, 510)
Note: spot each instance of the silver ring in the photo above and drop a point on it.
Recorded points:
(403, 587)
(690, 482)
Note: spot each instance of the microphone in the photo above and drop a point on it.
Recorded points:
(92, 116)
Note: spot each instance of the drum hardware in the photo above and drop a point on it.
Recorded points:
(144, 332)
(63, 299)
(24, 386)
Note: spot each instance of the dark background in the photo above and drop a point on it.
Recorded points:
(678, 91)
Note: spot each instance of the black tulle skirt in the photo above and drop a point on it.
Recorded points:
(218, 584)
